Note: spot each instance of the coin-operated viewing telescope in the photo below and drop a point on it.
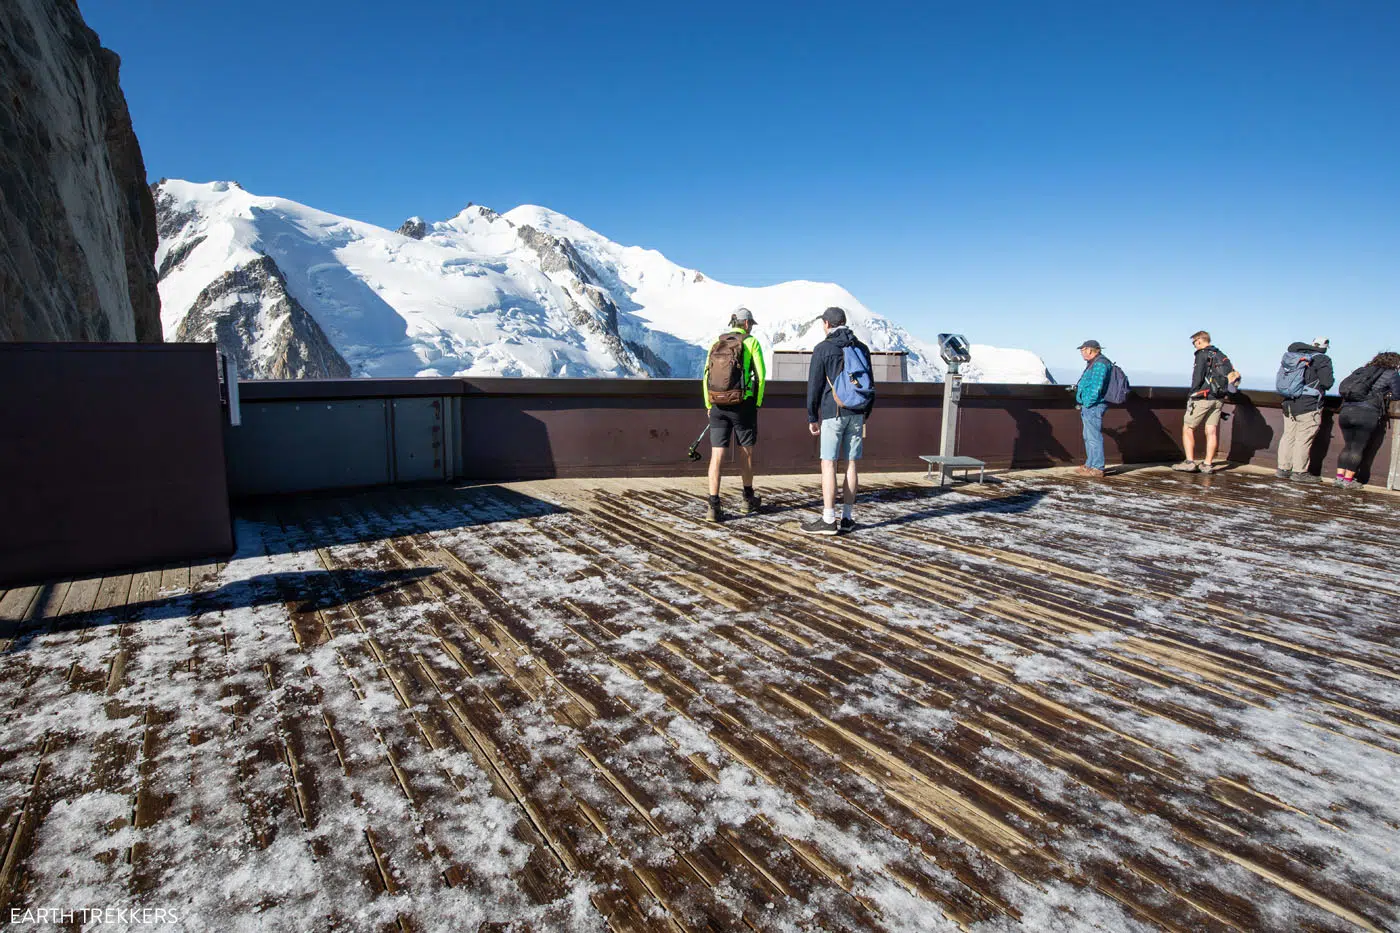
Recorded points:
(955, 351)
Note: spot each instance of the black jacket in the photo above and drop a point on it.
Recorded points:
(1319, 374)
(1198, 375)
(828, 364)
(1385, 388)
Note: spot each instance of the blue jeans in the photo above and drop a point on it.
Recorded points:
(1093, 434)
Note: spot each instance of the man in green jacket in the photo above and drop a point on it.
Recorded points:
(733, 385)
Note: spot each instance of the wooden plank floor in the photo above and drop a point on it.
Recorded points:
(1151, 702)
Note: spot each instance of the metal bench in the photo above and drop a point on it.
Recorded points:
(954, 463)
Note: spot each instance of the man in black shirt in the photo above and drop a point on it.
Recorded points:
(1211, 380)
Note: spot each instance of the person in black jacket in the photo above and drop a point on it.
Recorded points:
(1302, 414)
(1212, 378)
(842, 430)
(1366, 397)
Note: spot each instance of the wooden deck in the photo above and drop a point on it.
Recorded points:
(1155, 701)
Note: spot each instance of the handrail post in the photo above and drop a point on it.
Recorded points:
(1393, 481)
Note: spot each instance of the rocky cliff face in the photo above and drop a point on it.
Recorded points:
(77, 224)
(560, 259)
(266, 331)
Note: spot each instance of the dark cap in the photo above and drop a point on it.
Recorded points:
(834, 316)
(1090, 345)
(743, 315)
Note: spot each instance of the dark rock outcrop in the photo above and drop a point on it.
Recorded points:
(177, 255)
(653, 361)
(414, 228)
(251, 316)
(77, 223)
(558, 256)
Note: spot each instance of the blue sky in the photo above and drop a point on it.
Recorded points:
(1028, 173)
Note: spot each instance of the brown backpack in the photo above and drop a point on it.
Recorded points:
(726, 379)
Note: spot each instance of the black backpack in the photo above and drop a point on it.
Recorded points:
(1218, 369)
(1358, 386)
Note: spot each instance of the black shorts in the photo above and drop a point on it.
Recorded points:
(740, 420)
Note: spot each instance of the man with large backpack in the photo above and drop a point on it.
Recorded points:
(1304, 376)
(1091, 397)
(840, 397)
(733, 385)
(1213, 378)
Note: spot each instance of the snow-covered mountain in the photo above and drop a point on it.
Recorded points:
(293, 292)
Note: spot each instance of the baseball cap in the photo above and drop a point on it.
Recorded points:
(834, 316)
(1322, 342)
(1091, 344)
(744, 314)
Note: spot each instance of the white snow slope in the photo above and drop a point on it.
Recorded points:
(480, 295)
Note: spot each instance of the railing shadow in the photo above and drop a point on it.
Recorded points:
(330, 520)
(1002, 505)
(301, 591)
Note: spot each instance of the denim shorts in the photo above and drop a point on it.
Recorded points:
(841, 437)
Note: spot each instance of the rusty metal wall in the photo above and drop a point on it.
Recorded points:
(505, 429)
(111, 457)
(522, 429)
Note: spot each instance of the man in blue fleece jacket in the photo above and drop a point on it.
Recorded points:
(1089, 396)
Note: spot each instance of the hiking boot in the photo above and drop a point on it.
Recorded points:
(1339, 483)
(752, 503)
(847, 524)
(818, 526)
(716, 511)
(1305, 478)
(1208, 467)
(1352, 485)
(1282, 474)
(1093, 472)
(1186, 466)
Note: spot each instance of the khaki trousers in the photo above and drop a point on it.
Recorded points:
(1295, 449)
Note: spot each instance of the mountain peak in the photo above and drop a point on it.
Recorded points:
(414, 228)
(539, 294)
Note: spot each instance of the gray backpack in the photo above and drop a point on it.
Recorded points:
(1291, 381)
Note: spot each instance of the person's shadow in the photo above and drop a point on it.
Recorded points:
(1143, 439)
(1250, 431)
(1035, 444)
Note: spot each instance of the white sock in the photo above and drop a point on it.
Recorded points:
(846, 511)
(828, 515)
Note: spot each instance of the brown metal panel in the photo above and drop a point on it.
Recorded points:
(111, 456)
(532, 428)
(308, 390)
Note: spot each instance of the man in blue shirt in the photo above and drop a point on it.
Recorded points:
(1089, 397)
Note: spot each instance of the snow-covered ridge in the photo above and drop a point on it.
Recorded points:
(527, 293)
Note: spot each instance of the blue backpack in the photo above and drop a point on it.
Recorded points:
(855, 386)
(1291, 381)
(1115, 392)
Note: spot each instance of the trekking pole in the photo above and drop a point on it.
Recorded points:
(694, 452)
